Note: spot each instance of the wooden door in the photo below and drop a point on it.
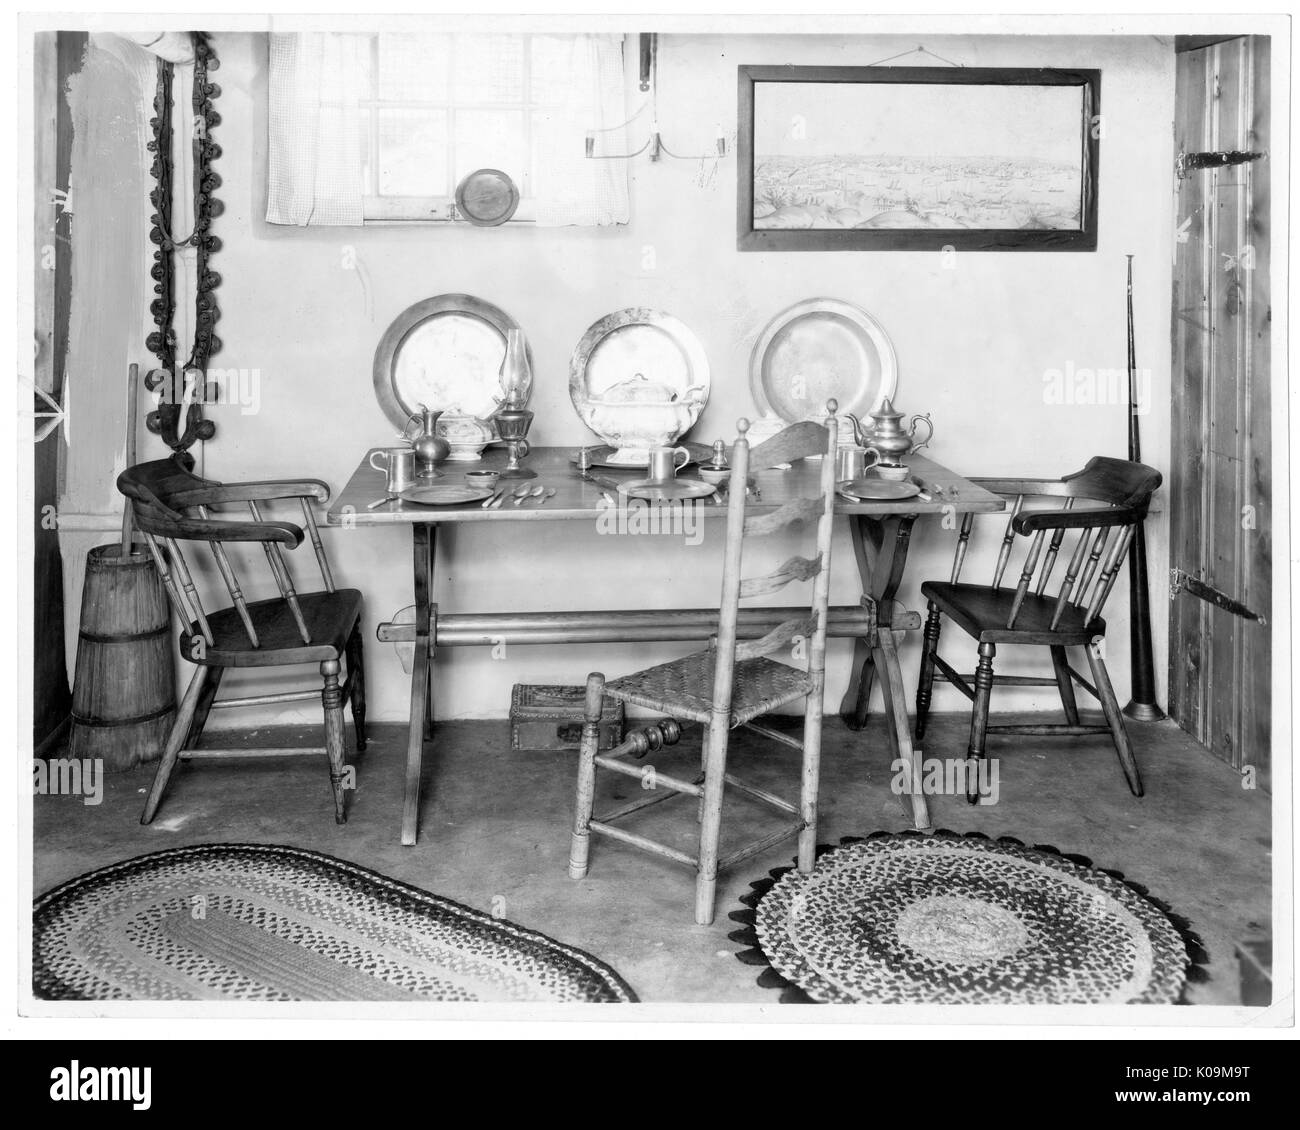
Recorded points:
(1220, 489)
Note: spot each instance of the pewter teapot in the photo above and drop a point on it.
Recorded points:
(887, 435)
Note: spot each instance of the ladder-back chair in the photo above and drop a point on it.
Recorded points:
(731, 683)
(1114, 496)
(171, 505)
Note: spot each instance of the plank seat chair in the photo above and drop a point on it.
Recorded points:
(171, 505)
(730, 683)
(1114, 496)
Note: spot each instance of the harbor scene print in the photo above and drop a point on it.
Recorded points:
(917, 156)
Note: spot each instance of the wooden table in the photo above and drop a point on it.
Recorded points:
(881, 532)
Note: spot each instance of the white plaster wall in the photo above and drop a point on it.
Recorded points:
(973, 344)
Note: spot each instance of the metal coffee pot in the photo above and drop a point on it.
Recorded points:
(430, 448)
(887, 435)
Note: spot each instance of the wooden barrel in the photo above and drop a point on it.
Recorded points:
(124, 690)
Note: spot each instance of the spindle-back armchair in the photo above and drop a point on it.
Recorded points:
(1115, 495)
(171, 506)
(731, 683)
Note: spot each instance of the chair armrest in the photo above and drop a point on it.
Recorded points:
(1091, 519)
(267, 490)
(162, 522)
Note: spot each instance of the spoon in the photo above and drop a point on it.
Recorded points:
(550, 493)
(536, 492)
(376, 505)
(522, 491)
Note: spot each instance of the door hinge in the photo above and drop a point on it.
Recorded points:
(1180, 581)
(1186, 163)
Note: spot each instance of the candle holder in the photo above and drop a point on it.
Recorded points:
(512, 427)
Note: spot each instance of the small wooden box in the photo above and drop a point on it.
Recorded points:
(551, 718)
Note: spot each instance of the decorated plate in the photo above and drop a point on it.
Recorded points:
(819, 349)
(444, 352)
(878, 490)
(445, 494)
(638, 379)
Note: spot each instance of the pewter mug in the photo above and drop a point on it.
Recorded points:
(664, 465)
(852, 462)
(399, 467)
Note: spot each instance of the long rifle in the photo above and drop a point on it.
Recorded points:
(1142, 676)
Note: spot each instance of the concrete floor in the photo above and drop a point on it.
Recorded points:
(495, 825)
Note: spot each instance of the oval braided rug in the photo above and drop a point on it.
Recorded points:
(254, 922)
(948, 919)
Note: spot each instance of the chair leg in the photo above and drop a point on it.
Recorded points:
(204, 706)
(175, 740)
(925, 684)
(1114, 717)
(1065, 684)
(357, 686)
(706, 878)
(809, 786)
(580, 845)
(332, 701)
(979, 719)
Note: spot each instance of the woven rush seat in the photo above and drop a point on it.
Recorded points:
(683, 687)
(984, 613)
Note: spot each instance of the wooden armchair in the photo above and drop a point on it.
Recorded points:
(730, 684)
(171, 505)
(1116, 495)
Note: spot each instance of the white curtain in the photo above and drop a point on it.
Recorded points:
(316, 173)
(316, 168)
(587, 85)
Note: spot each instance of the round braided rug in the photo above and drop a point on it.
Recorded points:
(948, 919)
(253, 922)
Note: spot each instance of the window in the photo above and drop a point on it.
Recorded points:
(404, 118)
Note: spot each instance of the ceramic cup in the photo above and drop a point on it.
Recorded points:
(664, 463)
(398, 466)
(482, 478)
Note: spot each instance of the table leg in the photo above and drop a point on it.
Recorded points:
(880, 547)
(885, 655)
(423, 541)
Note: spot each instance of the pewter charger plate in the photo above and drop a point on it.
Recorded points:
(444, 352)
(669, 490)
(872, 489)
(819, 349)
(445, 494)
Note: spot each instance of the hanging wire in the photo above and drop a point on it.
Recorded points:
(919, 49)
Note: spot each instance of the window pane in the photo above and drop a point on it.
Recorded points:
(488, 68)
(491, 139)
(413, 153)
(414, 68)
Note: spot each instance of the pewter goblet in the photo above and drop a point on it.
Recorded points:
(512, 426)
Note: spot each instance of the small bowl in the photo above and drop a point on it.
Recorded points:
(482, 478)
(890, 472)
(715, 475)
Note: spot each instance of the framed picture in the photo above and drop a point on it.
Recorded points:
(917, 158)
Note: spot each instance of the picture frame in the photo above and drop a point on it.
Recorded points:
(917, 158)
